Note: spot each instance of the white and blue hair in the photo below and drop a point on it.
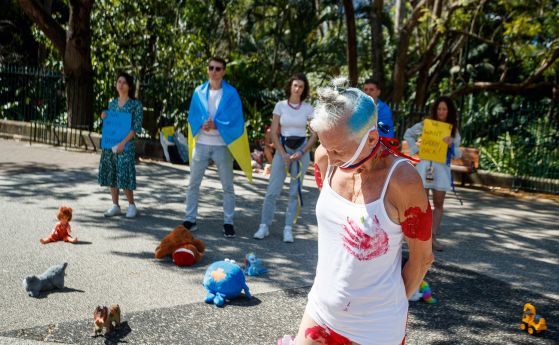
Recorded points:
(351, 106)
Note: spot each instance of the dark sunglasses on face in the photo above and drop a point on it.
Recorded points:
(216, 68)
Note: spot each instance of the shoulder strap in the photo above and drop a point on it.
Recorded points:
(389, 175)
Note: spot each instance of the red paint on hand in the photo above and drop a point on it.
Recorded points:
(326, 336)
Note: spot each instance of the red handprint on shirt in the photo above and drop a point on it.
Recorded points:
(361, 245)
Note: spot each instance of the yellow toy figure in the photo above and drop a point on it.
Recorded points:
(533, 323)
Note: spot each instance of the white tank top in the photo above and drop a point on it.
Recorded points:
(358, 290)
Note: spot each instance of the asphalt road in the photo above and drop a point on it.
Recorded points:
(499, 254)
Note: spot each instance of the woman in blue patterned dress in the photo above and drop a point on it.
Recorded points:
(117, 167)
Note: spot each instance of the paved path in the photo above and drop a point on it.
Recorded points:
(500, 253)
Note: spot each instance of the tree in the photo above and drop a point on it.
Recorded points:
(74, 46)
(351, 42)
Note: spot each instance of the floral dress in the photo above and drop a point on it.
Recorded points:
(118, 170)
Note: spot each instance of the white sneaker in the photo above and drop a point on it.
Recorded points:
(262, 232)
(132, 211)
(287, 235)
(113, 211)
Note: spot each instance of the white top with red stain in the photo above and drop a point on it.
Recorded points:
(358, 290)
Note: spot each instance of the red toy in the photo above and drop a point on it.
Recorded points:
(61, 231)
(181, 244)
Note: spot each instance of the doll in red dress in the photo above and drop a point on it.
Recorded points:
(61, 231)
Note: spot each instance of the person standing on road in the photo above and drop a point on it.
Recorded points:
(370, 201)
(290, 119)
(437, 176)
(117, 170)
(216, 131)
(372, 88)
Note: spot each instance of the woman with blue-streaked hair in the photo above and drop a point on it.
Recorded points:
(371, 200)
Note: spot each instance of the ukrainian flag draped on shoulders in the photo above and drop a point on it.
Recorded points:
(228, 119)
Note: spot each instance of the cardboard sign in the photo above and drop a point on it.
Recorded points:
(116, 126)
(433, 148)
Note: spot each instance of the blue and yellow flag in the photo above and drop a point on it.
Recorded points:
(228, 119)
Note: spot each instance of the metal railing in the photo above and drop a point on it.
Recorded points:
(521, 141)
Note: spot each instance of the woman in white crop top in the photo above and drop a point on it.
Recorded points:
(289, 135)
(369, 203)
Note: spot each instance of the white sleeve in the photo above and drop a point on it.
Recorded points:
(277, 109)
(411, 135)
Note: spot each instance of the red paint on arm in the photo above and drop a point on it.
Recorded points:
(418, 223)
(326, 336)
(317, 176)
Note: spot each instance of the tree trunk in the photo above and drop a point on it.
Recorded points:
(351, 42)
(377, 45)
(74, 45)
(399, 15)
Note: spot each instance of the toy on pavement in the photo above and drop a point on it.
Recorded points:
(61, 231)
(254, 266)
(532, 323)
(286, 340)
(424, 293)
(104, 317)
(181, 244)
(53, 278)
(224, 280)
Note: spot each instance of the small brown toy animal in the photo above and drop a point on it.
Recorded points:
(104, 317)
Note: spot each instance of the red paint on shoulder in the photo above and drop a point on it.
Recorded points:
(418, 223)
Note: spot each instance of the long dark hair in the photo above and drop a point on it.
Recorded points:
(299, 76)
(130, 82)
(451, 117)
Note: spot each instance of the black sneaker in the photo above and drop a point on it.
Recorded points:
(228, 230)
(190, 226)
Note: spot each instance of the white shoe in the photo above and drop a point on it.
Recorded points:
(262, 232)
(113, 211)
(132, 211)
(287, 235)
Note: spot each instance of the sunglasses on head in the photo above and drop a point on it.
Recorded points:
(216, 68)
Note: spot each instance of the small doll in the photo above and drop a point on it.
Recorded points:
(61, 231)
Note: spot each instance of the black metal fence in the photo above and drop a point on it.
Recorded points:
(521, 141)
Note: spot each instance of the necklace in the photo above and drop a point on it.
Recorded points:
(295, 107)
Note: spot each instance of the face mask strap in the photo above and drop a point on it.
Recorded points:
(359, 149)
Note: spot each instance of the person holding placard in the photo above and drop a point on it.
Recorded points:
(440, 130)
(117, 167)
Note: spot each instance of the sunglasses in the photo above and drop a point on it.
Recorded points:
(216, 68)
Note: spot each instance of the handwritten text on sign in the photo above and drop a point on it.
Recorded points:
(116, 126)
(433, 148)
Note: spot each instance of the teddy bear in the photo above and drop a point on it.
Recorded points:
(53, 278)
(181, 244)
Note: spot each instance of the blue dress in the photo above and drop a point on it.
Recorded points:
(118, 170)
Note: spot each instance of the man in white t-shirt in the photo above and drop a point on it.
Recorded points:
(211, 146)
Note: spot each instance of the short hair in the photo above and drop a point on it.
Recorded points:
(337, 104)
(299, 76)
(218, 59)
(452, 116)
(373, 81)
(65, 211)
(130, 81)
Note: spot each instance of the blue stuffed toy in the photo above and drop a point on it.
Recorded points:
(254, 266)
(224, 280)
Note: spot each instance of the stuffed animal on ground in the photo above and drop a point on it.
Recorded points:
(254, 266)
(424, 293)
(224, 280)
(61, 231)
(104, 317)
(181, 244)
(53, 278)
(286, 340)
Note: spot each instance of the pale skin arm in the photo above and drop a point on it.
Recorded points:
(275, 139)
(406, 191)
(308, 147)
